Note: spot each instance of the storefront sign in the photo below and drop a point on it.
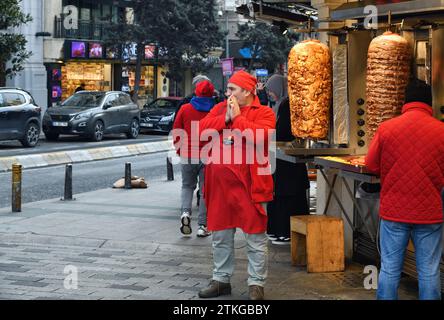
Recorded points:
(261, 73)
(150, 52)
(95, 50)
(227, 66)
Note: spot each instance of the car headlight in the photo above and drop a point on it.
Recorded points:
(167, 119)
(84, 115)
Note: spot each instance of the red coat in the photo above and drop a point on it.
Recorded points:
(234, 192)
(190, 146)
(408, 154)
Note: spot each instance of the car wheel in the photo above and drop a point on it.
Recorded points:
(51, 136)
(32, 134)
(98, 130)
(134, 129)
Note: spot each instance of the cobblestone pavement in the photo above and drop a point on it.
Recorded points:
(126, 244)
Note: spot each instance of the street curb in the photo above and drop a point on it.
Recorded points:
(85, 155)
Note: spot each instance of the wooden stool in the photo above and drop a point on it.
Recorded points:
(318, 242)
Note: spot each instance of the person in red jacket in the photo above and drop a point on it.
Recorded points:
(188, 147)
(407, 152)
(238, 187)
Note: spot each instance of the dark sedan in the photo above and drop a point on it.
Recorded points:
(93, 114)
(158, 115)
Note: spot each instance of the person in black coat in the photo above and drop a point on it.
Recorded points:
(290, 179)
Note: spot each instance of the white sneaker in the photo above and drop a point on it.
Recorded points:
(281, 241)
(272, 237)
(203, 232)
(185, 220)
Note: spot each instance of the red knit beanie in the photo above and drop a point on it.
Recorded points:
(204, 89)
(244, 80)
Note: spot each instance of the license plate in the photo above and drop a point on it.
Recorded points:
(59, 124)
(148, 125)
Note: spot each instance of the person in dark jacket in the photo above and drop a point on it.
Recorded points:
(407, 152)
(80, 88)
(290, 179)
(262, 93)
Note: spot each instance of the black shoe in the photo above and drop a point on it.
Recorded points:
(256, 292)
(215, 289)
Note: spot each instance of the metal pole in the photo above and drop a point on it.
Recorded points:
(16, 187)
(227, 43)
(68, 182)
(128, 175)
(170, 172)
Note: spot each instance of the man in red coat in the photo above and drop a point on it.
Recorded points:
(188, 146)
(408, 154)
(237, 187)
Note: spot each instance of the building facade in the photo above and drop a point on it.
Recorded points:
(66, 41)
(33, 77)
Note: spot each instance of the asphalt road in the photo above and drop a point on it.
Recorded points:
(65, 142)
(48, 183)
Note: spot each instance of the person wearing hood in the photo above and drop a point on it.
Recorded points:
(290, 179)
(188, 148)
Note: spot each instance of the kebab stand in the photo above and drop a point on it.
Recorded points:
(345, 189)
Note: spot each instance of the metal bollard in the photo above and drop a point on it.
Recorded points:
(68, 182)
(16, 187)
(170, 172)
(128, 175)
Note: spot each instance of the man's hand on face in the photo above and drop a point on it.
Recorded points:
(235, 109)
(228, 113)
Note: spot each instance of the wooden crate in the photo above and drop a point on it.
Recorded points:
(318, 242)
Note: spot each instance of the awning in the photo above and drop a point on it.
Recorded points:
(276, 12)
(356, 10)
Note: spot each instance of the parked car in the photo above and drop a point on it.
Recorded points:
(159, 115)
(93, 114)
(19, 116)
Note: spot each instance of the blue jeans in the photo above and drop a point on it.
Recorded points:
(394, 238)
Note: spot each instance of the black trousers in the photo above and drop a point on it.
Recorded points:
(280, 210)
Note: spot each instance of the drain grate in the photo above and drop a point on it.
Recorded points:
(348, 279)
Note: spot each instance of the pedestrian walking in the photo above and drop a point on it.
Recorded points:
(262, 93)
(408, 154)
(188, 148)
(290, 179)
(196, 80)
(236, 193)
(80, 88)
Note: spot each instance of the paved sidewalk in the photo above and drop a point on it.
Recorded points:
(126, 244)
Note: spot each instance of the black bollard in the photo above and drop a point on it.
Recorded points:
(170, 172)
(68, 183)
(16, 188)
(128, 175)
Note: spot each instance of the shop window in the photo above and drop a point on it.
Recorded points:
(85, 14)
(106, 12)
(146, 85)
(94, 76)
